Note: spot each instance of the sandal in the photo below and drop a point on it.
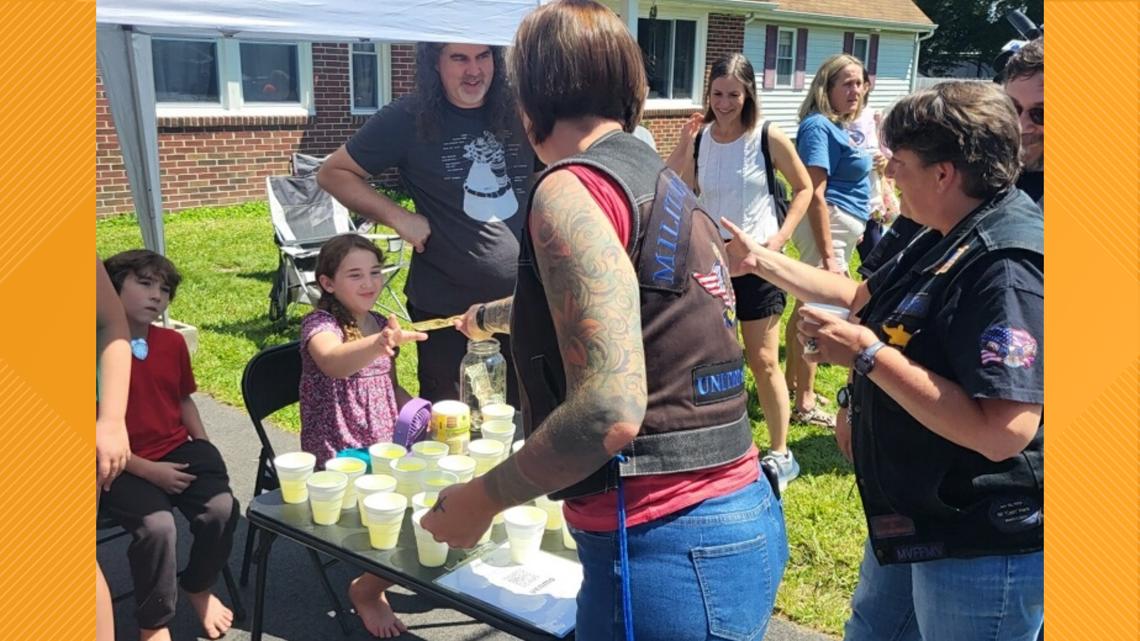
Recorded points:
(819, 398)
(814, 416)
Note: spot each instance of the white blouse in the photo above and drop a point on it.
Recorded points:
(734, 184)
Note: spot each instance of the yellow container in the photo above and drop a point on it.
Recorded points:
(451, 424)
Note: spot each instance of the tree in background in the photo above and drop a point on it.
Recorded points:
(970, 32)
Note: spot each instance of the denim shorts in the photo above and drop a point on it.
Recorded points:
(989, 598)
(710, 571)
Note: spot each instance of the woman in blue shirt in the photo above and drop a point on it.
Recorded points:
(840, 174)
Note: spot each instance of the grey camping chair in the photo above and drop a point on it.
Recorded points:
(304, 217)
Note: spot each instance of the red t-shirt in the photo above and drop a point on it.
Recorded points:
(158, 384)
(649, 498)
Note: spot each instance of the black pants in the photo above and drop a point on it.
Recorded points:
(439, 358)
(147, 512)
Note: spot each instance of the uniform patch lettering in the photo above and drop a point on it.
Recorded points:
(1015, 514)
(920, 552)
(1009, 346)
(712, 383)
(668, 233)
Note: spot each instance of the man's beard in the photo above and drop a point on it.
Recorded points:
(1037, 164)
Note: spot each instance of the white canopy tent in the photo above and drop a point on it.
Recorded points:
(123, 36)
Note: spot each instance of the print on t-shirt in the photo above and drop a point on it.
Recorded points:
(488, 195)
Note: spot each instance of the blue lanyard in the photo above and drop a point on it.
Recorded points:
(623, 553)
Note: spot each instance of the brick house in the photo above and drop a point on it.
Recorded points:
(228, 115)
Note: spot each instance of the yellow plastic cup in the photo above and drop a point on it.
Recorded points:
(437, 480)
(293, 470)
(353, 468)
(461, 466)
(525, 525)
(486, 452)
(326, 495)
(371, 484)
(385, 512)
(431, 553)
(382, 453)
(501, 431)
(430, 451)
(553, 511)
(408, 472)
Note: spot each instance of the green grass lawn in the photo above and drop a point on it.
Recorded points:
(228, 259)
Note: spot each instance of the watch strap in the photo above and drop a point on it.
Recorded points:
(865, 360)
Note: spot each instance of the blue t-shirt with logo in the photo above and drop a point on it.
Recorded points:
(824, 144)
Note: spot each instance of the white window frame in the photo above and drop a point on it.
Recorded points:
(792, 76)
(866, 38)
(700, 47)
(231, 102)
(383, 85)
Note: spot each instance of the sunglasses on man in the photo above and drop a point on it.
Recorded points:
(1036, 114)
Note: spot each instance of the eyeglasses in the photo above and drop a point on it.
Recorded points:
(1036, 114)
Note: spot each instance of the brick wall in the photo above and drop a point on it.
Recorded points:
(726, 35)
(224, 160)
(218, 161)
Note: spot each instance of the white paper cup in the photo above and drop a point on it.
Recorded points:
(553, 511)
(408, 472)
(430, 451)
(382, 453)
(842, 312)
(353, 468)
(385, 511)
(371, 484)
(431, 553)
(326, 495)
(516, 446)
(497, 412)
(423, 500)
(437, 480)
(501, 431)
(525, 525)
(568, 541)
(293, 469)
(460, 465)
(486, 452)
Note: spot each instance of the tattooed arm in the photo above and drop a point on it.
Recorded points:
(593, 296)
(496, 319)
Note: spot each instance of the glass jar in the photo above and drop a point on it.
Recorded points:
(482, 378)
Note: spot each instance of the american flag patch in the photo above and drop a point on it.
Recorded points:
(1008, 346)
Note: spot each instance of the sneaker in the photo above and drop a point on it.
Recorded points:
(814, 416)
(786, 467)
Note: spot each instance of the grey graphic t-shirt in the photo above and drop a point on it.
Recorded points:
(472, 185)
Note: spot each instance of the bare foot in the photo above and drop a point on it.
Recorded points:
(215, 616)
(372, 607)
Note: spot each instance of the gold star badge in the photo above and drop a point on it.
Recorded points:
(897, 335)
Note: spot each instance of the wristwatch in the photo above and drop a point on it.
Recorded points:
(865, 360)
(480, 314)
(843, 397)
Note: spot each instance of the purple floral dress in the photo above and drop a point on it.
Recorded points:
(339, 413)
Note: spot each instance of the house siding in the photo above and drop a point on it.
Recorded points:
(781, 105)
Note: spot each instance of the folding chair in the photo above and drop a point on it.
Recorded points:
(304, 217)
(272, 382)
(108, 530)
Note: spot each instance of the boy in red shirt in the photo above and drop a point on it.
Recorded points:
(173, 463)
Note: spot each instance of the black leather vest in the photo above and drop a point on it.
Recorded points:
(696, 415)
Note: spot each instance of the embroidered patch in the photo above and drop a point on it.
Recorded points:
(945, 267)
(897, 335)
(914, 305)
(1009, 346)
(716, 282)
(712, 383)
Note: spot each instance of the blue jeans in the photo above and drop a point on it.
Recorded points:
(710, 571)
(989, 598)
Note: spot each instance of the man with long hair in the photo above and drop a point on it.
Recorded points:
(466, 163)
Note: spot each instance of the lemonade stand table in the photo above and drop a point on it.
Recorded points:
(348, 542)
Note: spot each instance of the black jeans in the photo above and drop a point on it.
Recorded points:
(147, 512)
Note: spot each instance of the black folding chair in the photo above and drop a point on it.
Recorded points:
(108, 530)
(271, 382)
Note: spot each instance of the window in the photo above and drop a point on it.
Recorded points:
(185, 71)
(269, 72)
(369, 71)
(785, 57)
(226, 76)
(860, 48)
(669, 48)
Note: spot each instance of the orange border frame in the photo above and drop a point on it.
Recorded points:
(47, 125)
